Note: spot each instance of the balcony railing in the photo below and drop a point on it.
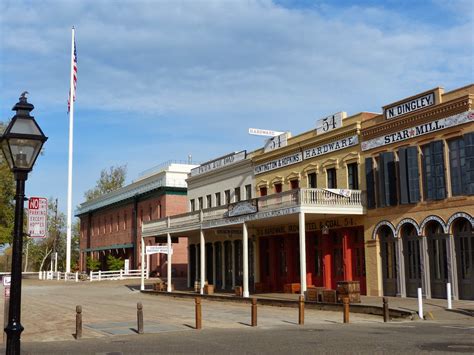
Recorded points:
(326, 198)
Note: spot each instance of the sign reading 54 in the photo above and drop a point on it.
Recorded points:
(330, 123)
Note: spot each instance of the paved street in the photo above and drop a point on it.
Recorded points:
(109, 318)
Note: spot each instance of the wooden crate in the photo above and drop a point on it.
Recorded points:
(292, 288)
(259, 287)
(238, 291)
(348, 289)
(329, 296)
(159, 286)
(315, 294)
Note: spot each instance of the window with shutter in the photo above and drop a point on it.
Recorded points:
(390, 176)
(370, 182)
(456, 165)
(381, 181)
(469, 163)
(413, 174)
(433, 166)
(403, 175)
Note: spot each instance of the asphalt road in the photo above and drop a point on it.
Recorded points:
(396, 338)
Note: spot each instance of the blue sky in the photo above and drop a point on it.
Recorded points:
(160, 80)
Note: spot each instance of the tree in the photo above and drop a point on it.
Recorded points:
(7, 196)
(92, 264)
(110, 180)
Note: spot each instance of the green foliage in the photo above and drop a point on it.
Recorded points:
(92, 264)
(7, 203)
(110, 180)
(114, 263)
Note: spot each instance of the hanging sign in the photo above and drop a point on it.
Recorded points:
(158, 249)
(264, 132)
(409, 106)
(329, 123)
(37, 217)
(242, 207)
(419, 130)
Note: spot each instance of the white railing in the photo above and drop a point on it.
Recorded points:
(115, 275)
(280, 200)
(323, 197)
(51, 275)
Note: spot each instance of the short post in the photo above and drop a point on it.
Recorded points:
(58, 275)
(448, 292)
(78, 322)
(121, 274)
(77, 276)
(90, 277)
(40, 275)
(301, 310)
(420, 303)
(197, 301)
(345, 306)
(140, 317)
(386, 313)
(100, 275)
(254, 312)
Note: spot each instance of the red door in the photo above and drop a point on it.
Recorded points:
(358, 258)
(338, 262)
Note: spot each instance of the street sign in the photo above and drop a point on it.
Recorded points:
(37, 217)
(264, 132)
(7, 280)
(155, 249)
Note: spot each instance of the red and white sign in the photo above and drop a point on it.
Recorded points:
(37, 217)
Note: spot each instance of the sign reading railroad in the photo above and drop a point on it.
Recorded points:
(219, 163)
(37, 217)
(415, 104)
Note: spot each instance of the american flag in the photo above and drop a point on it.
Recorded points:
(74, 68)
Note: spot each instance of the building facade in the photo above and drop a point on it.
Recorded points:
(111, 224)
(419, 171)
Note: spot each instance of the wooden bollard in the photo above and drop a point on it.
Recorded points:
(140, 317)
(345, 306)
(78, 322)
(301, 310)
(198, 313)
(386, 313)
(254, 312)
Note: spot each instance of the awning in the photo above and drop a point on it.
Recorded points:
(109, 247)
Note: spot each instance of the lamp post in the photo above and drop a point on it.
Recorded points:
(21, 144)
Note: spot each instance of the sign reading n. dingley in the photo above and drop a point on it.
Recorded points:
(410, 106)
(419, 130)
(279, 163)
(330, 147)
(219, 163)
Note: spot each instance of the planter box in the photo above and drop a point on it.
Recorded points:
(209, 289)
(348, 289)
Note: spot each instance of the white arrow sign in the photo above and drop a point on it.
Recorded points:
(264, 132)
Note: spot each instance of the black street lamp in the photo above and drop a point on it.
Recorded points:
(21, 144)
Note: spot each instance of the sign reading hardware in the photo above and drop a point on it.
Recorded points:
(329, 123)
(419, 130)
(264, 132)
(410, 106)
(155, 249)
(279, 163)
(330, 147)
(219, 163)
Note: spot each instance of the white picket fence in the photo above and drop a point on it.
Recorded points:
(116, 275)
(51, 275)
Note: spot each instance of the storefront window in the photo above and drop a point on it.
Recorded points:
(352, 176)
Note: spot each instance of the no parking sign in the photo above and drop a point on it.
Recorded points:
(37, 217)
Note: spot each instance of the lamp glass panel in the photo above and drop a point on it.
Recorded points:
(25, 126)
(24, 152)
(6, 153)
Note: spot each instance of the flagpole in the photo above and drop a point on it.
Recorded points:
(69, 179)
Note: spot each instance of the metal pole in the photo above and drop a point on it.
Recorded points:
(140, 317)
(78, 322)
(254, 312)
(420, 303)
(14, 327)
(386, 312)
(301, 310)
(448, 292)
(345, 305)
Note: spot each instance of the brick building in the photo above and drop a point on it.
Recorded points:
(111, 224)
